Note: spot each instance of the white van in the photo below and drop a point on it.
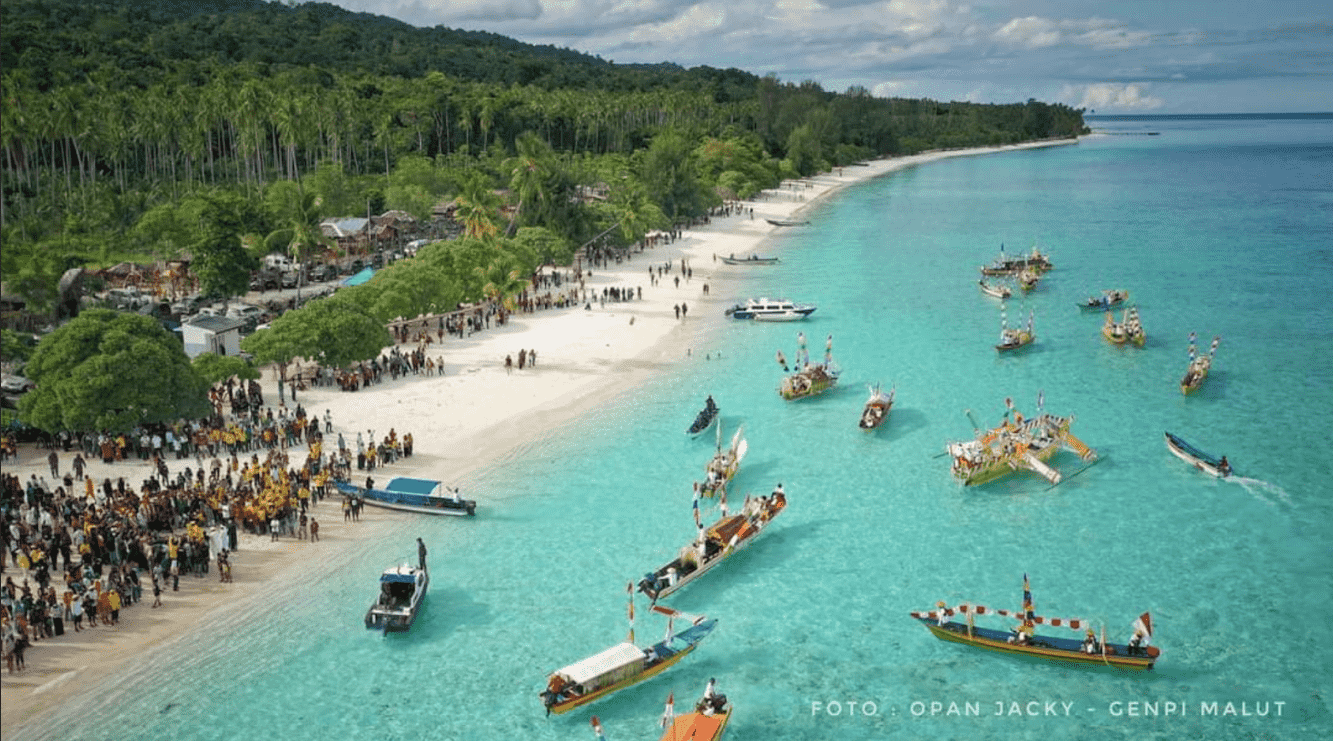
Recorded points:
(278, 262)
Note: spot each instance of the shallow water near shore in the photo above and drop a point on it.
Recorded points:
(1218, 226)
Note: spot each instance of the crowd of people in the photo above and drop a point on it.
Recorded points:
(87, 549)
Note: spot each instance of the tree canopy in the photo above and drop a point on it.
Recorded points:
(107, 370)
(334, 331)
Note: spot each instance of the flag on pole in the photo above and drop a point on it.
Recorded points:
(1029, 613)
(629, 590)
(670, 713)
(1144, 625)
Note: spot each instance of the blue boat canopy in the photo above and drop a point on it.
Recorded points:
(405, 485)
(390, 578)
(359, 278)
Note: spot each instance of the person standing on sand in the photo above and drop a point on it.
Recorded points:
(314, 530)
(532, 358)
(509, 364)
(157, 592)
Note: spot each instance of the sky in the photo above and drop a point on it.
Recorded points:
(1111, 57)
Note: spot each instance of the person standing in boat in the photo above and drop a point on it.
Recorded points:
(1090, 643)
(421, 554)
(941, 613)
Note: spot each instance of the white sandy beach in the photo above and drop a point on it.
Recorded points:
(475, 416)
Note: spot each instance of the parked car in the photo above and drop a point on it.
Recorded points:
(266, 279)
(322, 272)
(127, 299)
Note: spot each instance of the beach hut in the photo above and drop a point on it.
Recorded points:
(219, 335)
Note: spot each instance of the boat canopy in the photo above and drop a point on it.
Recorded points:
(405, 485)
(404, 574)
(616, 657)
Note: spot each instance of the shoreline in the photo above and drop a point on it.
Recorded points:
(473, 418)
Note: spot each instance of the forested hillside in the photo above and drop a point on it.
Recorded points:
(159, 129)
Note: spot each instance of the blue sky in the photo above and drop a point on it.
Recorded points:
(1135, 56)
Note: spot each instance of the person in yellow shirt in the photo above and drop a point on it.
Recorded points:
(113, 602)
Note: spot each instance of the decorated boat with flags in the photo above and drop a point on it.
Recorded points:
(1017, 337)
(1016, 444)
(401, 591)
(1137, 654)
(1206, 462)
(1128, 330)
(715, 544)
(704, 419)
(808, 379)
(1028, 278)
(1200, 365)
(751, 260)
(422, 496)
(997, 290)
(624, 664)
(722, 467)
(707, 723)
(1107, 300)
(1004, 265)
(877, 408)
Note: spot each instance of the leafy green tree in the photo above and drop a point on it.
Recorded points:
(15, 347)
(667, 171)
(478, 208)
(550, 248)
(334, 331)
(107, 370)
(220, 259)
(214, 368)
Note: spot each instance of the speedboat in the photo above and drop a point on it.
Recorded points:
(401, 590)
(771, 310)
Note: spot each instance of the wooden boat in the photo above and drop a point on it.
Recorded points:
(998, 290)
(809, 379)
(1136, 655)
(751, 260)
(705, 419)
(401, 591)
(707, 723)
(1015, 445)
(624, 664)
(1013, 265)
(771, 310)
(726, 537)
(1206, 462)
(1128, 329)
(877, 408)
(422, 496)
(1013, 339)
(1199, 366)
(722, 467)
(787, 222)
(1108, 300)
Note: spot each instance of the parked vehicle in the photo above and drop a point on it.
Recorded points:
(126, 298)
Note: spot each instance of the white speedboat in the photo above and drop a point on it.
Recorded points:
(771, 310)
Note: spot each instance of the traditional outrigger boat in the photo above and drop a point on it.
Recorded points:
(877, 408)
(624, 664)
(1135, 655)
(724, 538)
(1013, 265)
(1016, 445)
(722, 467)
(771, 310)
(401, 590)
(808, 380)
(1206, 462)
(1108, 300)
(751, 260)
(1013, 339)
(1199, 366)
(1128, 329)
(422, 496)
(706, 723)
(705, 419)
(997, 290)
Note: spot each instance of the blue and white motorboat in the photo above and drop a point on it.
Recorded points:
(401, 590)
(771, 310)
(423, 496)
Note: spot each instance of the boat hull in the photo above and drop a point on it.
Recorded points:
(646, 585)
(1210, 465)
(751, 261)
(1002, 468)
(785, 316)
(1046, 648)
(697, 727)
(422, 505)
(1022, 342)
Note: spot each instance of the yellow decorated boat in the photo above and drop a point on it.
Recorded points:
(1199, 367)
(1016, 445)
(1128, 330)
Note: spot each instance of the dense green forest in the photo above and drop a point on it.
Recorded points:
(159, 129)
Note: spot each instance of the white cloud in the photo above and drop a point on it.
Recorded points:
(1115, 96)
(1030, 32)
(1034, 32)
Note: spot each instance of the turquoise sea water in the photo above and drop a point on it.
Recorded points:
(1220, 226)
